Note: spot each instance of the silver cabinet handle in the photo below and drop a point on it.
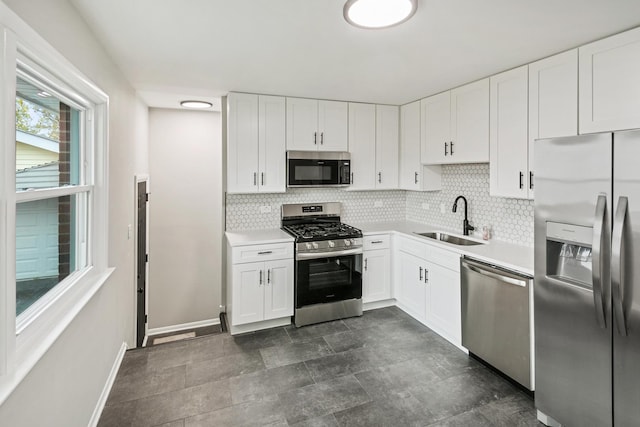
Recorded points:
(315, 138)
(617, 265)
(421, 274)
(255, 178)
(497, 276)
(375, 242)
(380, 177)
(600, 254)
(451, 147)
(445, 149)
(351, 177)
(269, 276)
(521, 183)
(321, 138)
(530, 180)
(366, 263)
(426, 276)
(265, 252)
(416, 177)
(262, 178)
(261, 277)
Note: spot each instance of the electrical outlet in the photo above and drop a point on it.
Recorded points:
(265, 209)
(442, 210)
(377, 204)
(425, 206)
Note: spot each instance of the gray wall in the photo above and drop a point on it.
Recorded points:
(186, 215)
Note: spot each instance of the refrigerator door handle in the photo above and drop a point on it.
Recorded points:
(617, 265)
(600, 254)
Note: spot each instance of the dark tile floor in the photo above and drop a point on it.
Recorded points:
(382, 369)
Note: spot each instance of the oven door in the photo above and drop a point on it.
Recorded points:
(328, 279)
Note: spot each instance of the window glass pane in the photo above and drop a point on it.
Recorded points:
(47, 139)
(50, 244)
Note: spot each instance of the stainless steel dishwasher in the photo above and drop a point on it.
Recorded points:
(496, 318)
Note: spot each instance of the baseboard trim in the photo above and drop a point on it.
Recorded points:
(95, 417)
(176, 328)
(378, 304)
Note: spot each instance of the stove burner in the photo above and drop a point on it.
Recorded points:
(321, 231)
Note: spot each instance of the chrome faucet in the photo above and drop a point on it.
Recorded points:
(466, 228)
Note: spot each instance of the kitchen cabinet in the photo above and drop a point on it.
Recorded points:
(428, 280)
(373, 144)
(413, 174)
(256, 144)
(455, 125)
(316, 125)
(610, 83)
(376, 276)
(553, 102)
(508, 134)
(261, 285)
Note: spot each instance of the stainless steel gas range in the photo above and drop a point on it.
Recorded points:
(328, 263)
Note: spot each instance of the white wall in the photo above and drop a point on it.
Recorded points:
(65, 385)
(185, 220)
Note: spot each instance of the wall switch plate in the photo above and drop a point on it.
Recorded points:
(425, 206)
(265, 209)
(442, 208)
(377, 204)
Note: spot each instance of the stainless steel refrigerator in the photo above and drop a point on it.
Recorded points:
(587, 280)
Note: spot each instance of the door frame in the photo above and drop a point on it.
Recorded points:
(134, 231)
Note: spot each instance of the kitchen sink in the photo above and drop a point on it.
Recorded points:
(455, 240)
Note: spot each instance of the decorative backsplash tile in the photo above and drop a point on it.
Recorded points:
(511, 220)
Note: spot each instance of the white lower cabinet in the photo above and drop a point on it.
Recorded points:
(260, 291)
(376, 271)
(428, 287)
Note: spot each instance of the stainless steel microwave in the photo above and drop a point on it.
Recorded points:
(318, 169)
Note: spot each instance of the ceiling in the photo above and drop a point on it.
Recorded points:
(172, 49)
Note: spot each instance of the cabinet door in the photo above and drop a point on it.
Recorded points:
(242, 146)
(436, 129)
(610, 83)
(333, 126)
(387, 144)
(376, 279)
(248, 293)
(412, 291)
(413, 175)
(362, 142)
(443, 302)
(553, 101)
(302, 124)
(278, 289)
(272, 144)
(508, 133)
(470, 123)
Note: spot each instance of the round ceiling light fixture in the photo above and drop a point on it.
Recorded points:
(379, 13)
(198, 105)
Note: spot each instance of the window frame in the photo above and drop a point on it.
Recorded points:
(22, 345)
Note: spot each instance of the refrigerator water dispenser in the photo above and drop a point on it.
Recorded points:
(569, 253)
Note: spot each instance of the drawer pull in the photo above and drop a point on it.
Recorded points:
(375, 242)
(265, 252)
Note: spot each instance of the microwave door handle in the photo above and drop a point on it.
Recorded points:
(617, 265)
(600, 255)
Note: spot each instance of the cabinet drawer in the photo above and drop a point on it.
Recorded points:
(444, 258)
(413, 247)
(377, 241)
(253, 253)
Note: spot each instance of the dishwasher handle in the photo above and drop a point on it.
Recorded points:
(492, 273)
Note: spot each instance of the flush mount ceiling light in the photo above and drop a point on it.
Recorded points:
(199, 105)
(379, 13)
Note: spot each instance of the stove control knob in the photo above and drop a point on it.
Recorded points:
(353, 241)
(308, 245)
(347, 242)
(315, 245)
(332, 244)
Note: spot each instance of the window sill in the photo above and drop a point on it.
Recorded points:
(38, 337)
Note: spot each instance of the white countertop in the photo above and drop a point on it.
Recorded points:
(256, 237)
(507, 255)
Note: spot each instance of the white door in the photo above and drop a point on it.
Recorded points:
(470, 123)
(333, 118)
(272, 143)
(278, 291)
(376, 280)
(302, 124)
(242, 147)
(610, 83)
(443, 305)
(436, 129)
(508, 133)
(362, 143)
(37, 239)
(386, 147)
(248, 293)
(412, 291)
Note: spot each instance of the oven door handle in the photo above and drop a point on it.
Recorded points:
(329, 254)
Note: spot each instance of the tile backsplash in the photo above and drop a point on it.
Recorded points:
(511, 220)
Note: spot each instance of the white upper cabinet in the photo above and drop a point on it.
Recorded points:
(610, 83)
(553, 102)
(413, 174)
(455, 125)
(509, 134)
(314, 125)
(256, 143)
(387, 145)
(362, 143)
